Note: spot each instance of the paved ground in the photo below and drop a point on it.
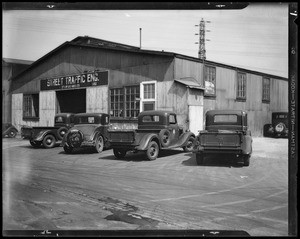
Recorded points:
(46, 189)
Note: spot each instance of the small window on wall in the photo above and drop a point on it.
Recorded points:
(30, 106)
(210, 81)
(148, 95)
(241, 86)
(124, 102)
(266, 90)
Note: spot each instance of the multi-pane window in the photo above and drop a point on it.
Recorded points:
(30, 105)
(148, 95)
(210, 80)
(124, 102)
(241, 86)
(266, 90)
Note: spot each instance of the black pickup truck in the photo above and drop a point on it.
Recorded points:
(226, 132)
(49, 136)
(156, 130)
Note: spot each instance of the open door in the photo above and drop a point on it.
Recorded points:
(195, 118)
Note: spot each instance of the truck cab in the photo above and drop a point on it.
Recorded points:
(226, 132)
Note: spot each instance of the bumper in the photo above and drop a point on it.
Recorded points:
(217, 150)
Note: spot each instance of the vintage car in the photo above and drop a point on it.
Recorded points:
(279, 126)
(156, 130)
(226, 132)
(9, 130)
(89, 130)
(46, 136)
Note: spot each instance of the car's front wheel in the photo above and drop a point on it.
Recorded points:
(49, 141)
(152, 151)
(119, 153)
(190, 145)
(99, 144)
(12, 133)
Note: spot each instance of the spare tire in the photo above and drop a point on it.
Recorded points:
(280, 127)
(61, 132)
(164, 137)
(75, 138)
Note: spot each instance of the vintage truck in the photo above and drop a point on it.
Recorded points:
(279, 126)
(89, 131)
(226, 132)
(49, 136)
(9, 130)
(156, 130)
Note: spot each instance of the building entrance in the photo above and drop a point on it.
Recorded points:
(71, 101)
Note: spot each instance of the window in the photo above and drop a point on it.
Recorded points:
(148, 95)
(225, 118)
(266, 90)
(124, 102)
(210, 80)
(31, 105)
(241, 86)
(172, 119)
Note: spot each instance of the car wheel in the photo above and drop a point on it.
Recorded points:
(35, 144)
(152, 151)
(199, 158)
(61, 132)
(99, 144)
(246, 159)
(68, 150)
(119, 153)
(12, 133)
(190, 145)
(164, 137)
(49, 141)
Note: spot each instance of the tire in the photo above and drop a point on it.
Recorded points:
(152, 151)
(119, 153)
(49, 141)
(99, 144)
(190, 145)
(75, 138)
(246, 159)
(61, 132)
(12, 133)
(164, 136)
(199, 158)
(280, 128)
(68, 150)
(35, 144)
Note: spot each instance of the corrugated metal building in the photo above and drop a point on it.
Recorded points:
(94, 75)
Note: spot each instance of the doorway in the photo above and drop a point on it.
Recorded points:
(71, 101)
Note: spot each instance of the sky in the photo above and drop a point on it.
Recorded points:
(254, 38)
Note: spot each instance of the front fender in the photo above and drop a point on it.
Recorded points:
(183, 139)
(145, 140)
(40, 135)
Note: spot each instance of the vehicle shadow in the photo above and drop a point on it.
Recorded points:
(214, 161)
(82, 151)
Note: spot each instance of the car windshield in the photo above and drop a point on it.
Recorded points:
(60, 119)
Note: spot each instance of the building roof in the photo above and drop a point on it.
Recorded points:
(86, 41)
(17, 61)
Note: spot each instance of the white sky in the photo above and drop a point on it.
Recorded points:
(254, 38)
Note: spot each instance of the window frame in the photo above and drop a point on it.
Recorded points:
(34, 106)
(243, 87)
(266, 100)
(147, 100)
(122, 105)
(206, 75)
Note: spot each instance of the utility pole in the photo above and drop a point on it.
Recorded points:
(202, 51)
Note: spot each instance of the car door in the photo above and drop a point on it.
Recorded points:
(173, 128)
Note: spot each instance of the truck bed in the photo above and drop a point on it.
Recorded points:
(220, 139)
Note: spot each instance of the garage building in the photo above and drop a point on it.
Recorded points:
(94, 75)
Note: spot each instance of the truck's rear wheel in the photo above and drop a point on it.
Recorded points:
(246, 159)
(164, 137)
(152, 151)
(119, 153)
(49, 141)
(199, 158)
(61, 132)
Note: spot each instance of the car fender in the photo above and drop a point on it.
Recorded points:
(145, 140)
(41, 135)
(247, 144)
